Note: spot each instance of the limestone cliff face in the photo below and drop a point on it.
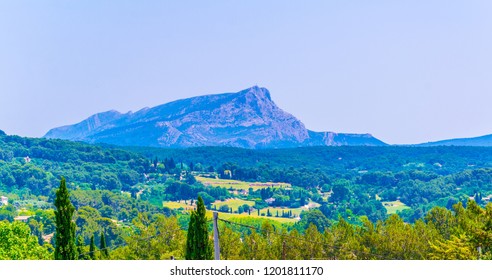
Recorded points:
(247, 119)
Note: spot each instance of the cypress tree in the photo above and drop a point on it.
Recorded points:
(92, 249)
(65, 248)
(198, 246)
(80, 248)
(190, 238)
(104, 249)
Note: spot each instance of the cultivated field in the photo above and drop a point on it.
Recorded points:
(239, 185)
(233, 203)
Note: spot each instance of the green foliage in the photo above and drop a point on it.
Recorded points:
(17, 243)
(65, 228)
(314, 217)
(153, 238)
(198, 245)
(103, 248)
(82, 254)
(35, 164)
(92, 249)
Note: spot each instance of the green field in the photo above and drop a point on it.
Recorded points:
(233, 203)
(254, 216)
(178, 205)
(295, 211)
(239, 185)
(393, 206)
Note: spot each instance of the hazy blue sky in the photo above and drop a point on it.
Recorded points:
(405, 71)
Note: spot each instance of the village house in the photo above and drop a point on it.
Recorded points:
(4, 200)
(23, 219)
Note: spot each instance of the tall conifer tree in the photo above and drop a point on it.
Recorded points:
(104, 249)
(65, 248)
(198, 246)
(190, 239)
(92, 249)
(81, 253)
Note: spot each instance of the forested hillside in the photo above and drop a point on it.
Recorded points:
(359, 179)
(306, 203)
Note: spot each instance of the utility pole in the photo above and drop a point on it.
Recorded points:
(283, 250)
(216, 237)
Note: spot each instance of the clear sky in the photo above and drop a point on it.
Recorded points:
(404, 71)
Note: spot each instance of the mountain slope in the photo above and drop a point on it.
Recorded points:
(484, 141)
(247, 119)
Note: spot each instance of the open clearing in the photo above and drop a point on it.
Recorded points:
(393, 206)
(239, 185)
(245, 215)
(233, 203)
(178, 205)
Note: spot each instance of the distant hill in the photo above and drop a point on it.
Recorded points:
(484, 141)
(246, 119)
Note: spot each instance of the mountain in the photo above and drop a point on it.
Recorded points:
(247, 119)
(484, 141)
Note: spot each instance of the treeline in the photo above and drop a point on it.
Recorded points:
(460, 234)
(441, 159)
(357, 179)
(35, 165)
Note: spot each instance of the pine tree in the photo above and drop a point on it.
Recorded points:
(92, 249)
(103, 248)
(65, 248)
(198, 246)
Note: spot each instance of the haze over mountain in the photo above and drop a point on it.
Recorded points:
(247, 119)
(484, 141)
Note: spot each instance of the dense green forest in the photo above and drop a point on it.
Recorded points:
(358, 177)
(440, 196)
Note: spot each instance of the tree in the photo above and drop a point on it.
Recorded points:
(230, 244)
(103, 248)
(82, 254)
(65, 248)
(92, 249)
(198, 246)
(16, 243)
(190, 238)
(456, 248)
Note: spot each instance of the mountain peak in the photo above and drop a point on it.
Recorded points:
(259, 92)
(247, 119)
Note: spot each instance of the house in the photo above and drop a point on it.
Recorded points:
(47, 238)
(270, 200)
(4, 200)
(22, 218)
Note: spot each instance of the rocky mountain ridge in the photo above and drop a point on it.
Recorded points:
(247, 119)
